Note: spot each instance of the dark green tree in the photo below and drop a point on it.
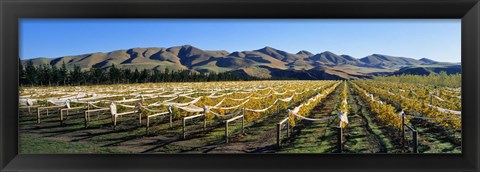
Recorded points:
(63, 74)
(55, 75)
(114, 74)
(21, 73)
(144, 76)
(135, 76)
(76, 76)
(126, 75)
(31, 74)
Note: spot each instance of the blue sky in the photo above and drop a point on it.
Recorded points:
(437, 39)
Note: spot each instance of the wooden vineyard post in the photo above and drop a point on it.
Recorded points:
(339, 140)
(183, 127)
(115, 122)
(68, 113)
(279, 133)
(38, 116)
(243, 120)
(415, 141)
(88, 115)
(113, 118)
(226, 131)
(230, 120)
(171, 114)
(243, 124)
(61, 117)
(288, 129)
(147, 122)
(86, 122)
(184, 119)
(205, 121)
(140, 117)
(403, 129)
(148, 125)
(170, 126)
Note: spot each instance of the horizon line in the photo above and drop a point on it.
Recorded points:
(106, 52)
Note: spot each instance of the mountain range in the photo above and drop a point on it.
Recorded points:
(266, 62)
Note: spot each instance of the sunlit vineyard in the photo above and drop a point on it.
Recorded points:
(359, 116)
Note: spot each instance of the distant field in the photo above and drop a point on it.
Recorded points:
(263, 117)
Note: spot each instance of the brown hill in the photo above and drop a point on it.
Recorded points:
(266, 62)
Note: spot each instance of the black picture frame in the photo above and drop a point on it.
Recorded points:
(466, 10)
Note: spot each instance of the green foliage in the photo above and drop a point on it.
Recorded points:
(50, 75)
(442, 79)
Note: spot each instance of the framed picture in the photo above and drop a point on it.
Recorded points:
(240, 85)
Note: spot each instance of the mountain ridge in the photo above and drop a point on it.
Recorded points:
(266, 62)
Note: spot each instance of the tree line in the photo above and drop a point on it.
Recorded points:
(51, 75)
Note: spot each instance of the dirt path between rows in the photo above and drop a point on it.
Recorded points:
(359, 136)
(317, 136)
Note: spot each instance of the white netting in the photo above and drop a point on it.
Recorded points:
(296, 109)
(261, 89)
(57, 102)
(269, 95)
(183, 104)
(301, 92)
(242, 99)
(288, 99)
(218, 96)
(313, 99)
(127, 100)
(95, 106)
(226, 115)
(97, 97)
(67, 103)
(343, 118)
(24, 101)
(170, 95)
(438, 108)
(29, 102)
(243, 92)
(229, 91)
(160, 103)
(127, 106)
(277, 93)
(262, 110)
(442, 100)
(217, 105)
(190, 108)
(440, 119)
(113, 108)
(169, 100)
(234, 107)
(150, 110)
